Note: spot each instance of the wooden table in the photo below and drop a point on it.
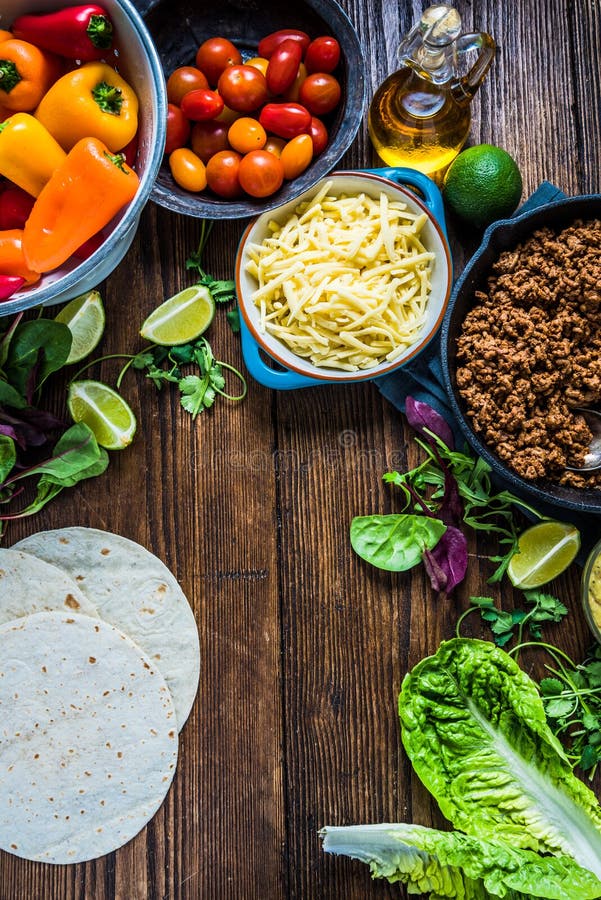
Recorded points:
(303, 646)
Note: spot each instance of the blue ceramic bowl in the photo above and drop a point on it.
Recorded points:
(501, 236)
(180, 26)
(140, 66)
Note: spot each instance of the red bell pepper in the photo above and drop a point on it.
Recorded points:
(76, 32)
(9, 285)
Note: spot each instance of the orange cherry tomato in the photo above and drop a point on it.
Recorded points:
(294, 89)
(274, 145)
(258, 62)
(215, 55)
(222, 174)
(261, 173)
(296, 155)
(178, 128)
(246, 134)
(242, 88)
(188, 169)
(182, 80)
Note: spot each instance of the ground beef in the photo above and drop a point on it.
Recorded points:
(530, 351)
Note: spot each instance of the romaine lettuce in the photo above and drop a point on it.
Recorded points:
(474, 727)
(453, 865)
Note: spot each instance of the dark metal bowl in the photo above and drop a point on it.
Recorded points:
(505, 235)
(179, 27)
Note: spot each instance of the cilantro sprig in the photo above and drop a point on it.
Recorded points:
(222, 290)
(508, 624)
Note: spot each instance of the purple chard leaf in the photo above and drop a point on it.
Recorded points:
(421, 417)
(446, 563)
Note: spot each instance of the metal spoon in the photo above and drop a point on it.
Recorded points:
(592, 459)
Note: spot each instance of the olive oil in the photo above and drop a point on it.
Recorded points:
(420, 116)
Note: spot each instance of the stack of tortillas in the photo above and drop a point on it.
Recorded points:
(99, 667)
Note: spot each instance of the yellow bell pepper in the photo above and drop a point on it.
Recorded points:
(28, 152)
(91, 101)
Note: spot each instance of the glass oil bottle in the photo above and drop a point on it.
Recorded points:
(420, 115)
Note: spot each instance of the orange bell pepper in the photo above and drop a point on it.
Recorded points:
(28, 153)
(82, 196)
(26, 73)
(91, 101)
(12, 259)
(5, 35)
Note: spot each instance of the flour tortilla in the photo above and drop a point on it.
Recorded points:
(30, 585)
(88, 738)
(133, 590)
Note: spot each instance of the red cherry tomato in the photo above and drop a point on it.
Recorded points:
(285, 119)
(178, 128)
(215, 55)
(319, 136)
(182, 80)
(209, 138)
(323, 55)
(243, 88)
(222, 174)
(90, 246)
(268, 44)
(261, 173)
(296, 155)
(320, 93)
(15, 206)
(275, 145)
(201, 105)
(283, 66)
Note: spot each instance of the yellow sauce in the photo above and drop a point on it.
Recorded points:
(594, 591)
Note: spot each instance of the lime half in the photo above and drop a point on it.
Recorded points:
(104, 411)
(181, 318)
(544, 551)
(84, 317)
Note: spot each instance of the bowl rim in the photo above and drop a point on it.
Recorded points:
(587, 571)
(20, 302)
(580, 502)
(207, 206)
(334, 375)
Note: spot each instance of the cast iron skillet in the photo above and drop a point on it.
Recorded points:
(501, 236)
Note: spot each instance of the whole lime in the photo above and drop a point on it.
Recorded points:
(483, 184)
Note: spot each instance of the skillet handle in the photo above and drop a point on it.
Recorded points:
(427, 191)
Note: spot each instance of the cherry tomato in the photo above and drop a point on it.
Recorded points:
(201, 105)
(294, 89)
(320, 93)
(323, 55)
(275, 145)
(215, 55)
(283, 66)
(228, 115)
(319, 136)
(296, 155)
(258, 62)
(246, 134)
(243, 88)
(182, 80)
(222, 174)
(261, 173)
(178, 128)
(15, 206)
(188, 169)
(285, 119)
(268, 44)
(209, 138)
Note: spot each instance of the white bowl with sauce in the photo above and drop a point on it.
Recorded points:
(591, 591)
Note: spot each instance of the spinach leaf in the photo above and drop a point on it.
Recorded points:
(76, 456)
(8, 456)
(36, 350)
(10, 397)
(395, 542)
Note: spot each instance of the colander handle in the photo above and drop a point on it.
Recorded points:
(427, 191)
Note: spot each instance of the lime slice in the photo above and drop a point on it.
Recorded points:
(104, 411)
(544, 551)
(84, 317)
(181, 318)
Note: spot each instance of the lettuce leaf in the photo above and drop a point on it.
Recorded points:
(453, 865)
(474, 727)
